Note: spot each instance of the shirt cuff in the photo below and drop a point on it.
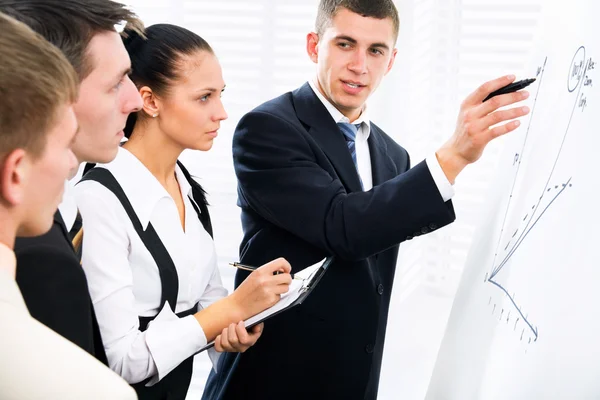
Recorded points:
(444, 186)
(172, 340)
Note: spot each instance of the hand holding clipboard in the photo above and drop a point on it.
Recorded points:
(302, 284)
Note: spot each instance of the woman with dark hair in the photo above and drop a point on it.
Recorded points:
(148, 252)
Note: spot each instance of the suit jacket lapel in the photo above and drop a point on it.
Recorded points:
(326, 133)
(383, 168)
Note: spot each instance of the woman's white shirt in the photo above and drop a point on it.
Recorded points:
(123, 277)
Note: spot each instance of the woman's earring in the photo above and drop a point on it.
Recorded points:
(155, 115)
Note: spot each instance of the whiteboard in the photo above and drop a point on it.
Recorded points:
(525, 323)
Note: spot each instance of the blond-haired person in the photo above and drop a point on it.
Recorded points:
(37, 129)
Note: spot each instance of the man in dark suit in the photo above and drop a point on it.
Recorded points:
(49, 273)
(317, 178)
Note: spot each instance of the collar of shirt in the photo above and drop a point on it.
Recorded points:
(68, 205)
(142, 188)
(8, 262)
(362, 134)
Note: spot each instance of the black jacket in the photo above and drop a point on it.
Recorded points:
(301, 199)
(55, 288)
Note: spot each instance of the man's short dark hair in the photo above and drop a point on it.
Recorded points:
(71, 24)
(380, 9)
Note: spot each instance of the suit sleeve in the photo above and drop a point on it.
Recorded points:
(281, 180)
(55, 291)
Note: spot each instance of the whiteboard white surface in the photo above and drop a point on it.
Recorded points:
(525, 323)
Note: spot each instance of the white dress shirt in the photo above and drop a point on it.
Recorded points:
(37, 363)
(68, 206)
(363, 154)
(123, 277)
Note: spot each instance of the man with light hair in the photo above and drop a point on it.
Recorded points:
(38, 87)
(84, 31)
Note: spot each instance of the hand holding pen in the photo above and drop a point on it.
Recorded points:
(235, 337)
(251, 268)
(481, 119)
(262, 288)
(510, 88)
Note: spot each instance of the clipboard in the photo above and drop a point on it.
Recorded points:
(299, 291)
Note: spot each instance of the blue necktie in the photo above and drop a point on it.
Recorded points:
(350, 131)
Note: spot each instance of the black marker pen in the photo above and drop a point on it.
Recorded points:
(510, 88)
